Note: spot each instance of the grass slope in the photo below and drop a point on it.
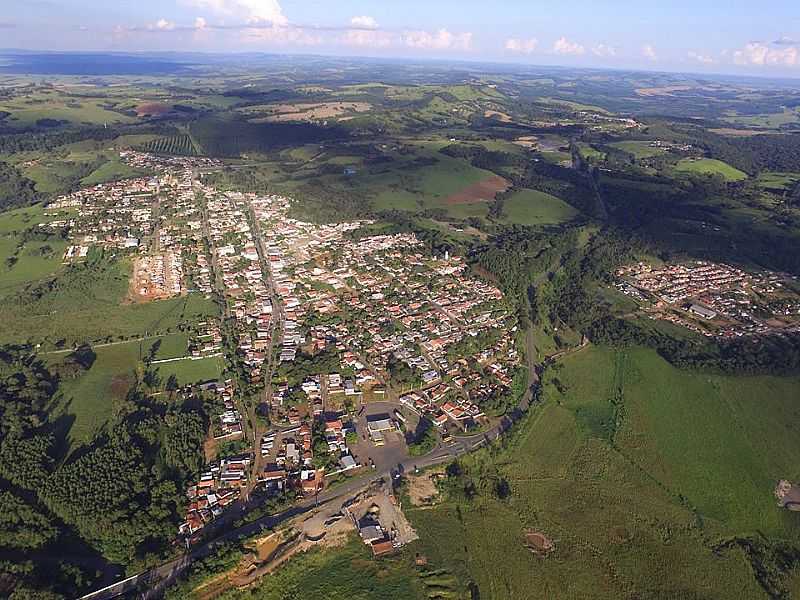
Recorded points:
(638, 471)
(532, 207)
(710, 166)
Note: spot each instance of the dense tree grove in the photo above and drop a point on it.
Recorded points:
(15, 189)
(122, 493)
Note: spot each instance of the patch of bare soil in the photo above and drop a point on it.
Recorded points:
(500, 116)
(422, 488)
(120, 384)
(538, 543)
(152, 109)
(483, 191)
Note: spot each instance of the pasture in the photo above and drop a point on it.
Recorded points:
(532, 207)
(85, 302)
(636, 470)
(710, 166)
(639, 149)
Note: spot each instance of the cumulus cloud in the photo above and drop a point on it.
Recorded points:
(564, 46)
(200, 23)
(438, 40)
(162, 25)
(522, 46)
(282, 35)
(252, 11)
(759, 54)
(703, 59)
(604, 51)
(649, 52)
(368, 38)
(364, 22)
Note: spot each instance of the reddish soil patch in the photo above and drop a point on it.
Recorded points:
(153, 109)
(120, 384)
(483, 191)
(538, 543)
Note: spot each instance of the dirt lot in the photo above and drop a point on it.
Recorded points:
(483, 191)
(422, 488)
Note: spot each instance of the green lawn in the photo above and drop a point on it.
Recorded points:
(191, 371)
(636, 470)
(710, 166)
(532, 207)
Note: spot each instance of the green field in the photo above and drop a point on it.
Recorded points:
(532, 207)
(191, 371)
(343, 573)
(638, 149)
(85, 302)
(637, 470)
(767, 121)
(780, 181)
(710, 166)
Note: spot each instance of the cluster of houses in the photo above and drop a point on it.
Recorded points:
(714, 299)
(380, 299)
(244, 282)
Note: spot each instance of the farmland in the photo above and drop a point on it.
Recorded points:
(639, 149)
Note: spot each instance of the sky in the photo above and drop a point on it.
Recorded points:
(703, 36)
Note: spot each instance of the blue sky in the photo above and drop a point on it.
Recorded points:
(720, 36)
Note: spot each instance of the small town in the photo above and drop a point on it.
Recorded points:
(341, 343)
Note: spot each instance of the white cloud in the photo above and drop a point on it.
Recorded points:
(162, 25)
(564, 46)
(438, 40)
(252, 11)
(364, 22)
(649, 52)
(604, 51)
(370, 38)
(521, 46)
(703, 59)
(283, 35)
(200, 23)
(757, 53)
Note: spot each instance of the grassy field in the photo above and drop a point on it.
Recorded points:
(710, 166)
(767, 121)
(91, 398)
(637, 471)
(348, 573)
(191, 371)
(86, 303)
(638, 149)
(778, 181)
(531, 207)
